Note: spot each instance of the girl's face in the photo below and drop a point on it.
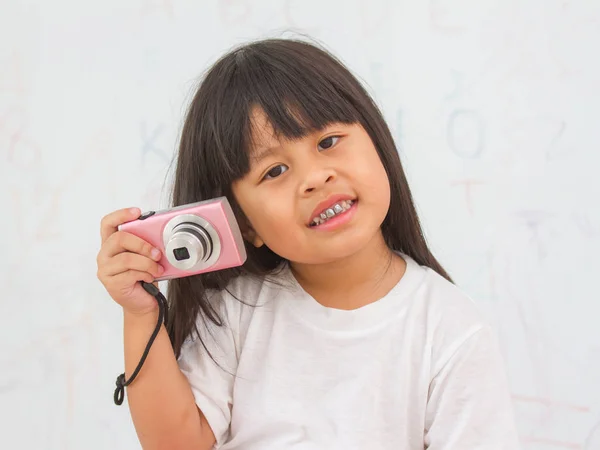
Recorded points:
(288, 184)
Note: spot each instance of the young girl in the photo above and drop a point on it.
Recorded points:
(341, 330)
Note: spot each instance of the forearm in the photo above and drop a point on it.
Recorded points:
(160, 399)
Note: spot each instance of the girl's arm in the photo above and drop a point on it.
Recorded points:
(161, 402)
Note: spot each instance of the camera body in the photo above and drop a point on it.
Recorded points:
(194, 238)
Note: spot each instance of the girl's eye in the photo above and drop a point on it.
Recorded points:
(275, 172)
(327, 142)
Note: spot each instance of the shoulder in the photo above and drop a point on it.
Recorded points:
(449, 316)
(238, 303)
(248, 291)
(450, 307)
(223, 321)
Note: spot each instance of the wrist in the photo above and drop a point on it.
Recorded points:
(149, 315)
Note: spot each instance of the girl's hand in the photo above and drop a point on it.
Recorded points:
(124, 260)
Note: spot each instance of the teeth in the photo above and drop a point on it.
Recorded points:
(331, 212)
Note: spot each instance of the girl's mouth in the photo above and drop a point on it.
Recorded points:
(337, 214)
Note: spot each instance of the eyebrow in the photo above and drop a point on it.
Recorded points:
(257, 157)
(263, 153)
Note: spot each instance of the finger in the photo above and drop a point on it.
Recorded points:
(129, 278)
(122, 241)
(131, 261)
(110, 222)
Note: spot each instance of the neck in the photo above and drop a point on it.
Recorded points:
(357, 279)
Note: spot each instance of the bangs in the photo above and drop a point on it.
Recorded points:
(299, 93)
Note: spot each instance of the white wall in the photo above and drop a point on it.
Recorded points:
(494, 104)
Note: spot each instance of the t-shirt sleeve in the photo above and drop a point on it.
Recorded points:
(469, 404)
(212, 382)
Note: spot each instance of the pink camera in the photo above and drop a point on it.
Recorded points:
(193, 238)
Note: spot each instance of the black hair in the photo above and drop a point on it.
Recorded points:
(301, 88)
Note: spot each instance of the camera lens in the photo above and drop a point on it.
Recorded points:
(181, 253)
(189, 244)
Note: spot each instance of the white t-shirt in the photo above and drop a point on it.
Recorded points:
(419, 368)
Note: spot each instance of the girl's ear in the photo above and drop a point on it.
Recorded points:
(251, 236)
(247, 231)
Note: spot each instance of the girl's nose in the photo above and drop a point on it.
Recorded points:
(317, 177)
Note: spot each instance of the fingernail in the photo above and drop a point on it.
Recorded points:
(135, 211)
(155, 253)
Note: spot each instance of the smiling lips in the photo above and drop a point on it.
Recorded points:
(330, 207)
(329, 213)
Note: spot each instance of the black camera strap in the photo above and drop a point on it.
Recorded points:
(119, 394)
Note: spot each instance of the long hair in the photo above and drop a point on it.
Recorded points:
(301, 88)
